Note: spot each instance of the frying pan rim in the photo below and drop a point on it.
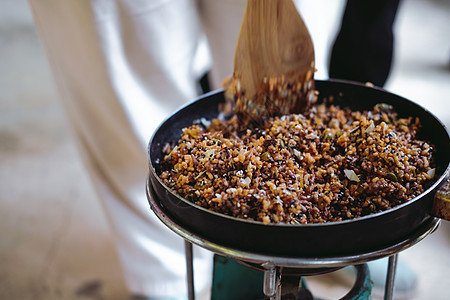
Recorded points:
(445, 175)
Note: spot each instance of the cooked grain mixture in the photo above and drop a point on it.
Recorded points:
(328, 164)
(276, 96)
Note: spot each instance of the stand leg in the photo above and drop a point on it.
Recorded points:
(272, 289)
(390, 277)
(190, 270)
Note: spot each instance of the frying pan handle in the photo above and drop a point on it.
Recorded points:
(441, 204)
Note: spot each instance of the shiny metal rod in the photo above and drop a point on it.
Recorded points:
(189, 269)
(270, 282)
(390, 277)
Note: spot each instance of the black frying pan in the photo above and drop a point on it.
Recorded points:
(332, 239)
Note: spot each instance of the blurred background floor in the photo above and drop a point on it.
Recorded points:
(54, 239)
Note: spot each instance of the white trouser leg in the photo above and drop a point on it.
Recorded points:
(121, 67)
(222, 21)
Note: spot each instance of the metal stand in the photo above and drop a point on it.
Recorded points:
(273, 283)
(272, 274)
(272, 264)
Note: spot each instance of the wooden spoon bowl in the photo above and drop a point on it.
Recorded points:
(274, 57)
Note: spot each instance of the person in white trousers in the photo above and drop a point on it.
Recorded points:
(121, 67)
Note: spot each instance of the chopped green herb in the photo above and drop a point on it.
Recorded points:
(266, 156)
(391, 176)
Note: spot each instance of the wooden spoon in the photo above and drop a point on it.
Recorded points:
(273, 45)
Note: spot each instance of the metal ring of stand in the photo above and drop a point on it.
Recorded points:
(271, 263)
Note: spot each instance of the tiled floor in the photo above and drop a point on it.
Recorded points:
(54, 241)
